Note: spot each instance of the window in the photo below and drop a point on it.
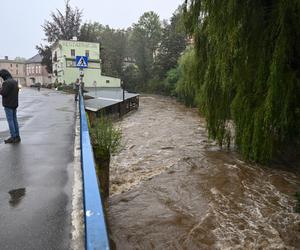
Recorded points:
(17, 65)
(72, 52)
(10, 65)
(107, 81)
(17, 72)
(87, 53)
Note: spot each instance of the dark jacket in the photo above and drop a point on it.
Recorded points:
(9, 91)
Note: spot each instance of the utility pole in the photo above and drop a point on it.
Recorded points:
(123, 87)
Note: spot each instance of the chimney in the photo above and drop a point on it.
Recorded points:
(6, 57)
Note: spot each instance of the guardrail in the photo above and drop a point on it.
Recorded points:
(96, 236)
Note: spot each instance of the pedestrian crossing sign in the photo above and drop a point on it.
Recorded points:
(81, 61)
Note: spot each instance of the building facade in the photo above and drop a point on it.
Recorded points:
(64, 64)
(36, 72)
(27, 72)
(16, 68)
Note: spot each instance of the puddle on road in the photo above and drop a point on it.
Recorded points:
(172, 188)
(16, 196)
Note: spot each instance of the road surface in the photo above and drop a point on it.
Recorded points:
(36, 176)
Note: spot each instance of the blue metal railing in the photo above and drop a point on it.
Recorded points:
(96, 236)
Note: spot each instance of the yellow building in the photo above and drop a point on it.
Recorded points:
(65, 70)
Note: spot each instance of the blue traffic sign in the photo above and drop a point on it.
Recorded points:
(81, 61)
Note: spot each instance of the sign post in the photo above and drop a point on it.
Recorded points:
(81, 63)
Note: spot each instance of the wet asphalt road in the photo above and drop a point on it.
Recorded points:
(36, 175)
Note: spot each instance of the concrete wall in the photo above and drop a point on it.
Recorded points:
(107, 81)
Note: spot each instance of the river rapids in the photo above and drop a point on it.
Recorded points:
(173, 188)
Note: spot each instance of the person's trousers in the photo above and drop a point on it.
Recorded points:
(76, 94)
(11, 116)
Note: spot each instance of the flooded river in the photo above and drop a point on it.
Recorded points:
(172, 188)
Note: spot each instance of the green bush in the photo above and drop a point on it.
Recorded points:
(187, 84)
(106, 139)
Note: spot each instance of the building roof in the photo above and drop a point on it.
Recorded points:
(97, 104)
(35, 59)
(104, 97)
(11, 61)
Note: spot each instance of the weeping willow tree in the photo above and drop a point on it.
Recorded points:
(248, 55)
(186, 86)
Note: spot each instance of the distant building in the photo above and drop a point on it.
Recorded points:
(36, 72)
(16, 68)
(64, 64)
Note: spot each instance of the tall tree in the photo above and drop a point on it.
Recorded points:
(62, 26)
(144, 41)
(113, 45)
(249, 71)
(173, 43)
(91, 32)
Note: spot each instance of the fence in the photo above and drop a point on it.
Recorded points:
(96, 236)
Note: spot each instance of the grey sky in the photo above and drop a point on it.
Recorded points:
(21, 20)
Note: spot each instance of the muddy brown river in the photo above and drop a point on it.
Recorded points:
(172, 188)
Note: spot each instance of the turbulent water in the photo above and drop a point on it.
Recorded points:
(172, 188)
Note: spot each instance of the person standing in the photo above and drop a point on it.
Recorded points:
(10, 101)
(76, 89)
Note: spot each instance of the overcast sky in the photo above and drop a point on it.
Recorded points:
(21, 20)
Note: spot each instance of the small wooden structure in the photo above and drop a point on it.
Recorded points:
(113, 102)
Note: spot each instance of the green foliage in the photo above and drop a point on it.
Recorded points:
(186, 87)
(46, 54)
(62, 26)
(106, 139)
(166, 86)
(248, 71)
(130, 77)
(113, 46)
(173, 43)
(143, 42)
(171, 81)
